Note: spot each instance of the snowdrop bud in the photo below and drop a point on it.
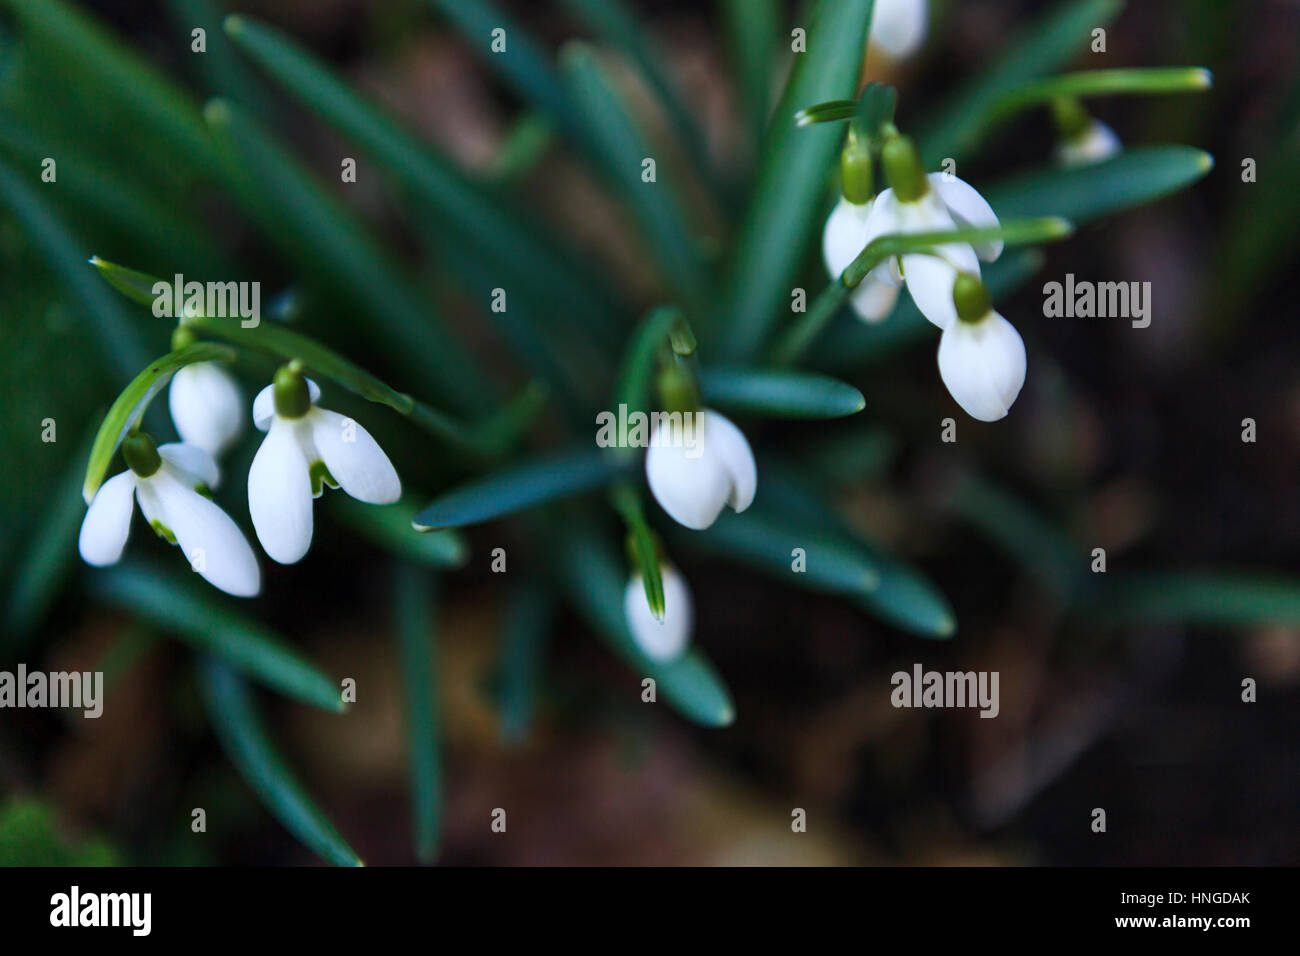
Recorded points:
(698, 463)
(903, 169)
(206, 406)
(898, 26)
(660, 640)
(981, 356)
(1096, 143)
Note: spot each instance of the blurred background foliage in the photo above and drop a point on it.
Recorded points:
(478, 690)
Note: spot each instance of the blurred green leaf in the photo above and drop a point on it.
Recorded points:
(521, 487)
(29, 836)
(129, 407)
(415, 604)
(389, 527)
(779, 394)
(956, 128)
(1213, 598)
(1084, 193)
(774, 233)
(237, 725)
(529, 610)
(642, 545)
(210, 624)
(753, 29)
(1139, 81)
(622, 149)
(595, 581)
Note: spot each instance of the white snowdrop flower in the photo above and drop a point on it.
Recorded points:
(697, 462)
(660, 640)
(306, 448)
(1095, 143)
(844, 237)
(206, 406)
(164, 481)
(898, 27)
(981, 355)
(919, 203)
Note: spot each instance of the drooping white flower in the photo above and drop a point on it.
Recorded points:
(164, 482)
(981, 355)
(844, 237)
(206, 406)
(660, 640)
(1095, 143)
(305, 448)
(898, 27)
(695, 466)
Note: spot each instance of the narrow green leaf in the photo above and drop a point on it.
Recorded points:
(315, 230)
(540, 263)
(594, 579)
(761, 540)
(126, 412)
(642, 544)
(778, 222)
(237, 725)
(1084, 193)
(1147, 80)
(907, 600)
(1208, 598)
(202, 620)
(104, 319)
(622, 149)
(522, 487)
(753, 29)
(833, 111)
(389, 527)
(1014, 528)
(779, 394)
(528, 617)
(415, 604)
(1039, 49)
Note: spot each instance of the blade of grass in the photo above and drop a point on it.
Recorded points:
(209, 624)
(778, 222)
(237, 725)
(415, 602)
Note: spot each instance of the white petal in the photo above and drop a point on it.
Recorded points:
(107, 524)
(264, 404)
(208, 537)
(983, 365)
(689, 483)
(206, 406)
(660, 640)
(929, 281)
(845, 235)
(898, 26)
(968, 208)
(876, 295)
(727, 443)
(191, 463)
(279, 494)
(1098, 142)
(354, 458)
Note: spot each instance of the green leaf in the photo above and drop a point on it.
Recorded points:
(1181, 79)
(622, 149)
(779, 220)
(1039, 49)
(126, 412)
(642, 545)
(636, 375)
(528, 616)
(30, 835)
(522, 487)
(594, 579)
(415, 604)
(540, 263)
(389, 527)
(237, 725)
(1208, 598)
(779, 394)
(753, 29)
(104, 319)
(207, 623)
(907, 600)
(832, 111)
(88, 51)
(1084, 193)
(315, 230)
